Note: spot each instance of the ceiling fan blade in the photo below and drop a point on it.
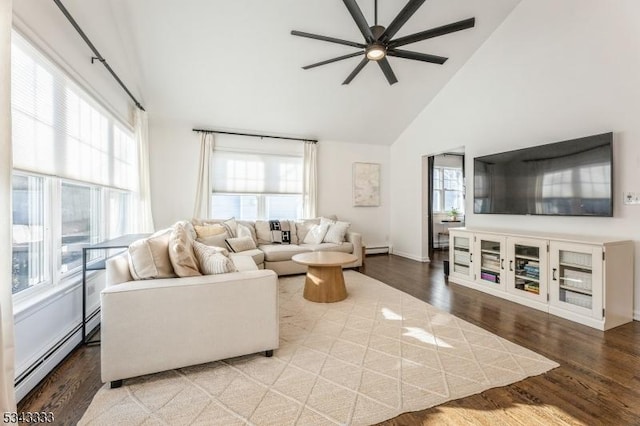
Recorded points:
(424, 57)
(433, 32)
(357, 16)
(388, 72)
(356, 71)
(329, 39)
(328, 61)
(404, 15)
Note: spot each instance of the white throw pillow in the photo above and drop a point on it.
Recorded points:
(243, 231)
(212, 260)
(316, 234)
(336, 232)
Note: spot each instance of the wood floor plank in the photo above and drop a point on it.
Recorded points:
(598, 381)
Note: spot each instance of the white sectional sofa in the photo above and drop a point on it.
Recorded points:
(153, 321)
(277, 257)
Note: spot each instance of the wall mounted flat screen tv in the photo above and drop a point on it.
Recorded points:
(570, 178)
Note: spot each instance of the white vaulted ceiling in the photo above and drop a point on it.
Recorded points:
(235, 65)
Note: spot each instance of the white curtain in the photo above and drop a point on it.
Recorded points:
(203, 192)
(310, 180)
(7, 392)
(145, 217)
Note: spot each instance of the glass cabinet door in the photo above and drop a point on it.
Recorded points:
(527, 268)
(576, 278)
(460, 255)
(490, 265)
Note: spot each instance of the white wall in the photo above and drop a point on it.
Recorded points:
(552, 71)
(174, 155)
(335, 168)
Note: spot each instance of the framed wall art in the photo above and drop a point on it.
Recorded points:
(366, 184)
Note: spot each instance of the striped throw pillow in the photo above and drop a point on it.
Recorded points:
(212, 259)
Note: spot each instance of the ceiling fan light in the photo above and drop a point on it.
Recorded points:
(376, 52)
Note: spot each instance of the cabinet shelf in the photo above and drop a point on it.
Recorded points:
(523, 256)
(576, 266)
(525, 277)
(463, 249)
(491, 251)
(576, 290)
(490, 269)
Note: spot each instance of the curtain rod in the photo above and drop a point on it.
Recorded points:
(255, 135)
(97, 54)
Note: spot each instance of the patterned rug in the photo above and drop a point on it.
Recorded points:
(371, 357)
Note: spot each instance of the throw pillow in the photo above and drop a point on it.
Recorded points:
(337, 230)
(215, 240)
(204, 231)
(303, 227)
(316, 234)
(243, 231)
(181, 253)
(231, 226)
(149, 257)
(239, 244)
(212, 261)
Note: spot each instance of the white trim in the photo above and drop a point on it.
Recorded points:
(412, 257)
(48, 51)
(636, 315)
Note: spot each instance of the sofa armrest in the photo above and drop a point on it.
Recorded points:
(355, 238)
(118, 270)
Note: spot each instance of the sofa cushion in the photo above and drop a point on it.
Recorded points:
(149, 257)
(240, 244)
(336, 232)
(211, 260)
(280, 252)
(203, 231)
(256, 254)
(316, 234)
(215, 240)
(342, 247)
(181, 253)
(303, 226)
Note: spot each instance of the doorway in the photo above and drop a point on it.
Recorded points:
(446, 194)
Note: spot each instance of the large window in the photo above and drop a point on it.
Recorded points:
(74, 172)
(254, 186)
(448, 189)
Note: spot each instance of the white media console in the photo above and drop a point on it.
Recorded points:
(583, 279)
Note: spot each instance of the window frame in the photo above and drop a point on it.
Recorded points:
(440, 208)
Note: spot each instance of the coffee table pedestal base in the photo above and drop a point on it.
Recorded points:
(324, 284)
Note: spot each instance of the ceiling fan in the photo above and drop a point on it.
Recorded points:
(379, 42)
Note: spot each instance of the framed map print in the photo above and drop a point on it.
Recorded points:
(366, 184)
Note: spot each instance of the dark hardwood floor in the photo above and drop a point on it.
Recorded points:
(597, 383)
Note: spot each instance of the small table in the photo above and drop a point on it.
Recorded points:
(324, 282)
(120, 242)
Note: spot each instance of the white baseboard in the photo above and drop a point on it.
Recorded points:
(378, 250)
(636, 315)
(411, 256)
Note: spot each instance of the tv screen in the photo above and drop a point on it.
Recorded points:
(570, 178)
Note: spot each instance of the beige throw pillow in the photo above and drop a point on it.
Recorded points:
(181, 253)
(240, 244)
(303, 227)
(149, 257)
(212, 261)
(203, 231)
(215, 240)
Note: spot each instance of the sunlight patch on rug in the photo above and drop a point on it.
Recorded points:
(368, 358)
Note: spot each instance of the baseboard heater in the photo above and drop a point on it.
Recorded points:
(378, 250)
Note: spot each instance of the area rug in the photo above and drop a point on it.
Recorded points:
(371, 357)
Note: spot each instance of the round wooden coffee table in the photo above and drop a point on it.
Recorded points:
(324, 282)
